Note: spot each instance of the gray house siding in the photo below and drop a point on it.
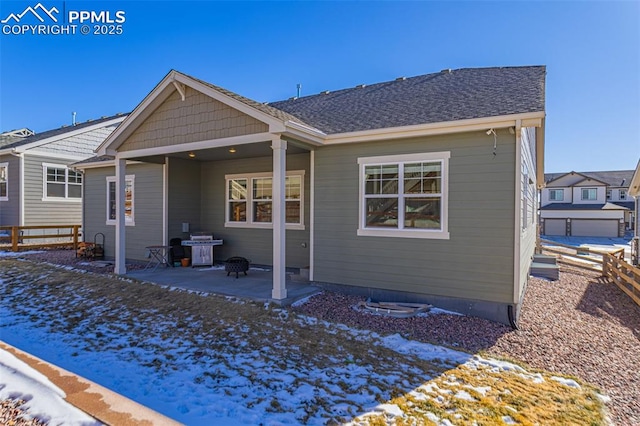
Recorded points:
(254, 244)
(10, 209)
(475, 263)
(148, 209)
(184, 197)
(40, 212)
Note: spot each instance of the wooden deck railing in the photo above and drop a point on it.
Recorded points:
(624, 275)
(15, 237)
(582, 257)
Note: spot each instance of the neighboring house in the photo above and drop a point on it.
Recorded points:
(420, 188)
(36, 185)
(587, 204)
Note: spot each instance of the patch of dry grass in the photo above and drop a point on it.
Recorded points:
(485, 396)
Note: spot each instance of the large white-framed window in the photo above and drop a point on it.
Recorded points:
(556, 195)
(249, 200)
(589, 194)
(4, 181)
(404, 195)
(129, 200)
(61, 183)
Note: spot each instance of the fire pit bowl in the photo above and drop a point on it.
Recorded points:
(236, 264)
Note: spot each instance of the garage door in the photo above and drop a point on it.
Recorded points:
(555, 227)
(594, 228)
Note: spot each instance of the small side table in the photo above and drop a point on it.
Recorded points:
(159, 255)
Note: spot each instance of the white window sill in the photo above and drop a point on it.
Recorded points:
(61, 200)
(113, 223)
(4, 198)
(404, 233)
(291, 226)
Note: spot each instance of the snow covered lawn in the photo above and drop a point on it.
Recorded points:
(213, 360)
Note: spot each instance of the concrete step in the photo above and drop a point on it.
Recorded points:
(545, 258)
(545, 270)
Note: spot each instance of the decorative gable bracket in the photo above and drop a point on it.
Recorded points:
(181, 88)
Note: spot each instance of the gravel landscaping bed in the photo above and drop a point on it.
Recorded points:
(580, 325)
(12, 414)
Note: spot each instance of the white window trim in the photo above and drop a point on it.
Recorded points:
(260, 225)
(5, 197)
(127, 221)
(554, 191)
(66, 198)
(440, 234)
(582, 198)
(622, 195)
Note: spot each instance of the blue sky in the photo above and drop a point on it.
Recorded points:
(263, 49)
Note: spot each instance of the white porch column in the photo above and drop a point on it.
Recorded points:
(120, 266)
(278, 217)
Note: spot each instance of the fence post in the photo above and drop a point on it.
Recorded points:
(14, 238)
(75, 237)
(605, 265)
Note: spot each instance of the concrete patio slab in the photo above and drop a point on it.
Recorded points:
(256, 285)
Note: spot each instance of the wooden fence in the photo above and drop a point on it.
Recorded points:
(624, 275)
(581, 257)
(15, 237)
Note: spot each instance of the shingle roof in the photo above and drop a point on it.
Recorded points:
(265, 108)
(616, 178)
(449, 95)
(626, 204)
(96, 159)
(569, 206)
(58, 131)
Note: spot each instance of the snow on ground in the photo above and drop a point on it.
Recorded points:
(4, 253)
(244, 371)
(44, 400)
(200, 381)
(596, 243)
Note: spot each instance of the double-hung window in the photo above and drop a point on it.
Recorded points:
(404, 196)
(129, 200)
(4, 181)
(556, 194)
(623, 194)
(249, 200)
(61, 183)
(589, 194)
